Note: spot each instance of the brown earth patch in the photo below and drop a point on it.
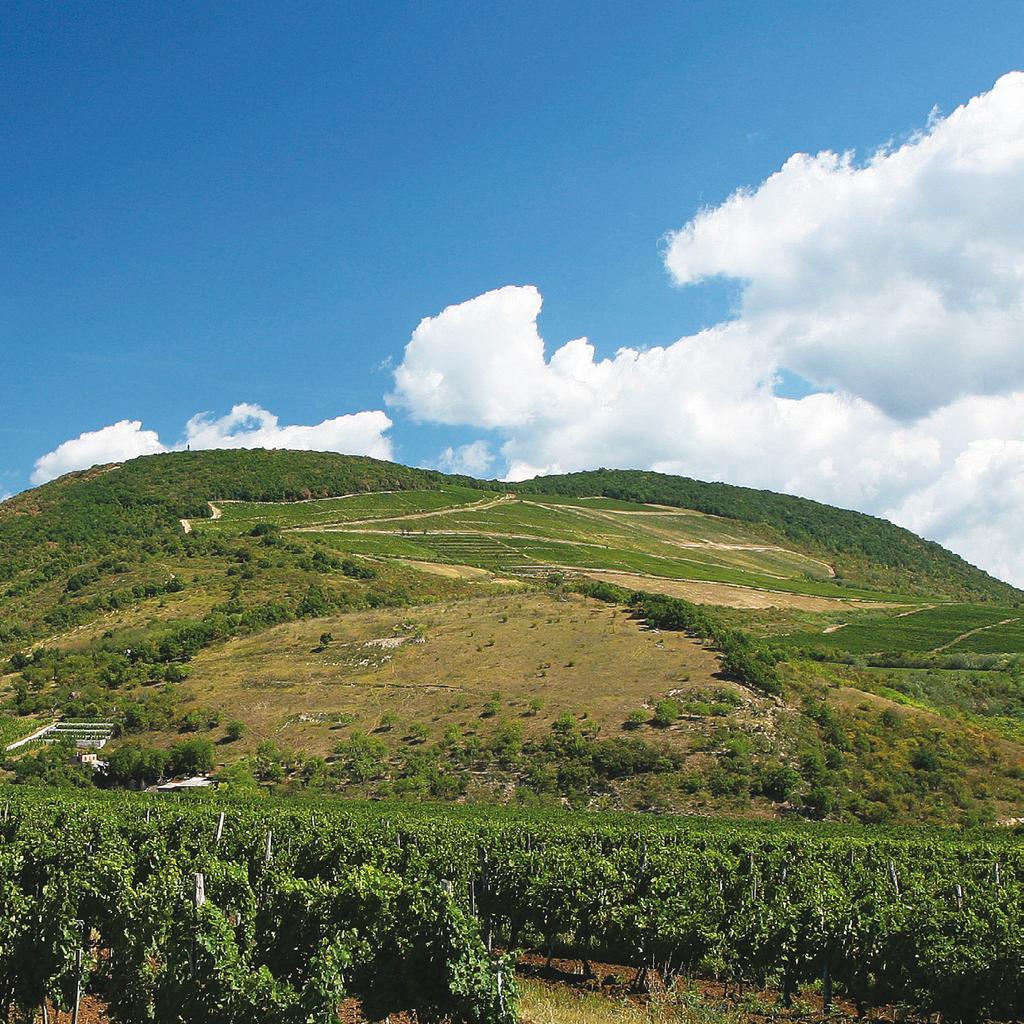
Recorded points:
(728, 595)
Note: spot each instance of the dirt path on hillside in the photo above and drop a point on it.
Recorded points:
(714, 545)
(728, 595)
(476, 506)
(533, 538)
(215, 514)
(972, 632)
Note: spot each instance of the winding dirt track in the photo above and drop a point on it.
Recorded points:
(971, 632)
(707, 592)
(728, 595)
(476, 506)
(610, 515)
(215, 513)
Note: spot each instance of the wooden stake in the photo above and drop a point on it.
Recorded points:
(220, 827)
(892, 876)
(78, 974)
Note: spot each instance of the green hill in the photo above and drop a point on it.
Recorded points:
(861, 547)
(613, 638)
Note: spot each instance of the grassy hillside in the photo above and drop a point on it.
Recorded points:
(310, 621)
(860, 546)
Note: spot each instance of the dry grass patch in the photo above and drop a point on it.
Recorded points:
(451, 572)
(553, 1004)
(569, 655)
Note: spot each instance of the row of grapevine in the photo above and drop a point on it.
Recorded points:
(171, 929)
(201, 911)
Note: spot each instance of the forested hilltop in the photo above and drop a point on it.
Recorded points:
(311, 622)
(141, 502)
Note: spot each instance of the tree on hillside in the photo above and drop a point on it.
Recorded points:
(191, 757)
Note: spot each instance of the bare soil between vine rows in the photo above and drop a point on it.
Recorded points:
(750, 1004)
(618, 983)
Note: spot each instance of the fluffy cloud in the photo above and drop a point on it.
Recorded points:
(975, 505)
(246, 426)
(706, 407)
(861, 276)
(122, 440)
(897, 284)
(458, 364)
(473, 459)
(249, 426)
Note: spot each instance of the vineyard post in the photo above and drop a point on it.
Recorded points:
(270, 846)
(220, 828)
(78, 972)
(482, 858)
(197, 901)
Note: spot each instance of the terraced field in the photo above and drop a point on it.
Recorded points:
(506, 534)
(239, 515)
(953, 627)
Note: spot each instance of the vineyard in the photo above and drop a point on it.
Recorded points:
(264, 912)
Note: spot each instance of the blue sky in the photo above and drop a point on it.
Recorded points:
(212, 204)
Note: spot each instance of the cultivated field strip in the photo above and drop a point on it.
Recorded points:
(243, 912)
(506, 534)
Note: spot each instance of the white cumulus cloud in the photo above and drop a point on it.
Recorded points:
(860, 276)
(249, 426)
(706, 407)
(457, 364)
(472, 459)
(125, 439)
(896, 286)
(246, 426)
